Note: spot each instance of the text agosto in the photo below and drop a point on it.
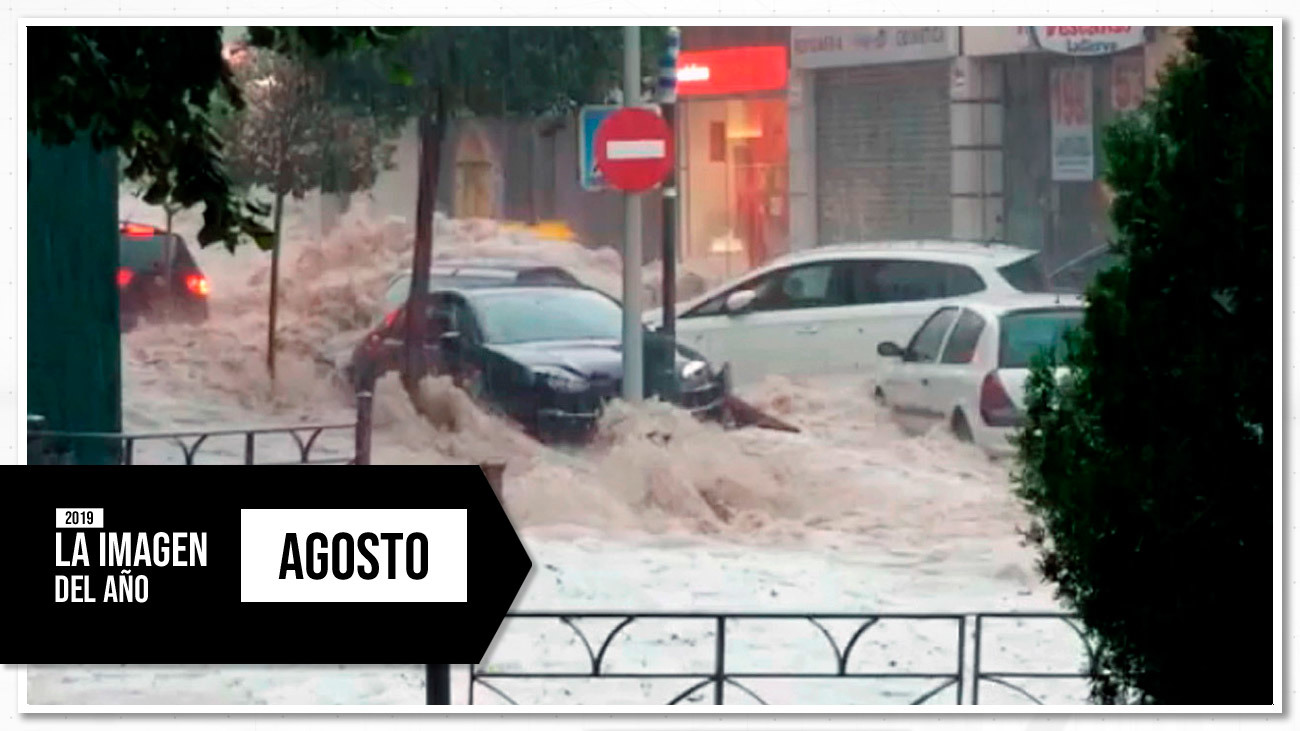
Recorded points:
(342, 555)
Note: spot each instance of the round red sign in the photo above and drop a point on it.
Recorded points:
(634, 149)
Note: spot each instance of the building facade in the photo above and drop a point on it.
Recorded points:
(974, 132)
(870, 105)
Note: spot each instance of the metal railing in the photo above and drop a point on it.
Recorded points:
(719, 672)
(1040, 625)
(55, 447)
(879, 651)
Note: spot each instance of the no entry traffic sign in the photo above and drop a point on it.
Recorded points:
(634, 149)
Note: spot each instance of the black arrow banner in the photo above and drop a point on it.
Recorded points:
(264, 565)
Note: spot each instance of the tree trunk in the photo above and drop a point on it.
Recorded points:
(432, 125)
(275, 286)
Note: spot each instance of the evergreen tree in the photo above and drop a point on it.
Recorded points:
(1148, 468)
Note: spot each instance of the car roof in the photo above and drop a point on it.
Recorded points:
(1001, 304)
(950, 250)
(473, 293)
(484, 270)
(505, 265)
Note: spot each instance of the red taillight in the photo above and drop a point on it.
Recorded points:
(996, 407)
(138, 229)
(124, 276)
(197, 284)
(391, 317)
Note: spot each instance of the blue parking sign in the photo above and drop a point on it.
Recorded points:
(589, 120)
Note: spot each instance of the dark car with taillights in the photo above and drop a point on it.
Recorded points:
(157, 278)
(548, 357)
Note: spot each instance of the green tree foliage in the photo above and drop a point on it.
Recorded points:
(290, 139)
(481, 70)
(1148, 469)
(149, 91)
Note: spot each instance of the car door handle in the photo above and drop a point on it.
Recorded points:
(808, 330)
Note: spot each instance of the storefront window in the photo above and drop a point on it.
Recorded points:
(737, 182)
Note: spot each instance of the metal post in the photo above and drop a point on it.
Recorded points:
(633, 373)
(437, 685)
(668, 102)
(35, 442)
(961, 655)
(720, 660)
(275, 285)
(365, 410)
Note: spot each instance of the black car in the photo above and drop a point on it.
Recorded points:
(157, 278)
(466, 273)
(549, 357)
(380, 349)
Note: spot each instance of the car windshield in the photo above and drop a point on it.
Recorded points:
(1025, 275)
(560, 314)
(143, 253)
(1027, 333)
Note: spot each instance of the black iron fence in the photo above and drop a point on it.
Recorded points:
(826, 659)
(318, 444)
(1051, 678)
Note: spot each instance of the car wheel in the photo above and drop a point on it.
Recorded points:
(960, 427)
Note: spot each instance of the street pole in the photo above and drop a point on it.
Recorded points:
(668, 102)
(437, 685)
(275, 286)
(633, 373)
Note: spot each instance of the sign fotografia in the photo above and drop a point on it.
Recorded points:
(1089, 40)
(1072, 133)
(246, 574)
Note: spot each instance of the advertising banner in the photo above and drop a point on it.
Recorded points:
(1072, 133)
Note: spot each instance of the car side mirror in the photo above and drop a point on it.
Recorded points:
(739, 300)
(889, 350)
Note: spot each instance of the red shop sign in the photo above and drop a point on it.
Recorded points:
(732, 70)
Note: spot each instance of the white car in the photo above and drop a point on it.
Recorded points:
(967, 365)
(824, 310)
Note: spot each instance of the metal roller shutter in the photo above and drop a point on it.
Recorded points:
(883, 152)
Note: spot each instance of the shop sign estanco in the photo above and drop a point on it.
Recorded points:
(1089, 40)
